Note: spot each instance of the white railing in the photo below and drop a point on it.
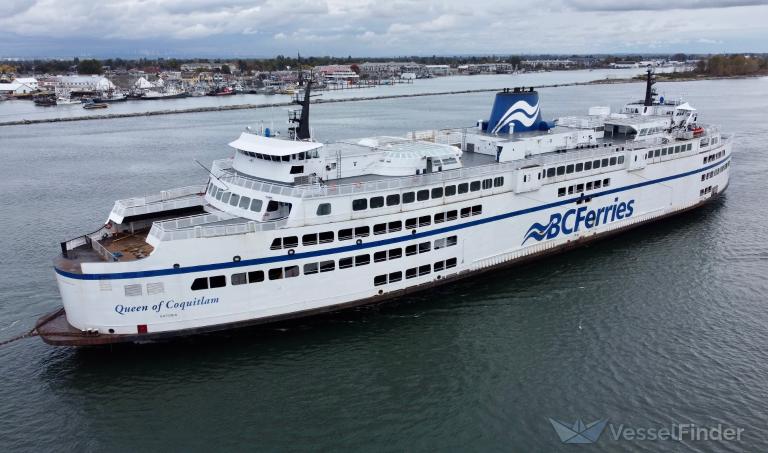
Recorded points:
(143, 205)
(196, 228)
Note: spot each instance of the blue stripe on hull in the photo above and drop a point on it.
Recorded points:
(367, 245)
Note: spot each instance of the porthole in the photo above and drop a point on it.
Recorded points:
(359, 241)
(381, 291)
(236, 258)
(413, 231)
(111, 330)
(291, 251)
(176, 266)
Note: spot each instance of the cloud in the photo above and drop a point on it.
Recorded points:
(376, 27)
(657, 5)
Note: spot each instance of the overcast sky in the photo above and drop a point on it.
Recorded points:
(264, 28)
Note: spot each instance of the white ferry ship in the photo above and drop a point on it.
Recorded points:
(290, 227)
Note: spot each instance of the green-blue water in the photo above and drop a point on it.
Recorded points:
(674, 320)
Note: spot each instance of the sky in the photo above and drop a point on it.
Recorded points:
(377, 28)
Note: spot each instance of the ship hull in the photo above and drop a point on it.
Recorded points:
(56, 330)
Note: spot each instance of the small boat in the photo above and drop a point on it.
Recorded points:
(44, 100)
(111, 96)
(95, 105)
(224, 91)
(168, 93)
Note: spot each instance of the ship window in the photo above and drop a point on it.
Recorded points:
(561, 192)
(498, 181)
(452, 215)
(217, 281)
(276, 273)
(309, 239)
(234, 200)
(360, 204)
(380, 256)
(395, 253)
(450, 191)
(621, 160)
(225, 197)
(345, 234)
(362, 260)
(393, 200)
(291, 271)
(380, 228)
(286, 159)
(409, 197)
(277, 244)
(474, 186)
(550, 172)
(437, 192)
(256, 205)
(397, 225)
(440, 265)
(377, 202)
(439, 243)
(466, 212)
(411, 223)
(425, 269)
(424, 247)
(677, 149)
(569, 169)
(290, 242)
(239, 279)
(588, 165)
(200, 283)
(327, 266)
(296, 169)
(440, 217)
(422, 195)
(301, 156)
(689, 146)
(604, 162)
(589, 185)
(345, 263)
(395, 277)
(244, 202)
(579, 167)
(272, 206)
(450, 262)
(560, 170)
(477, 209)
(255, 276)
(362, 231)
(311, 268)
(598, 184)
(596, 164)
(425, 220)
(410, 250)
(579, 188)
(323, 209)
(380, 280)
(606, 182)
(487, 183)
(463, 187)
(411, 273)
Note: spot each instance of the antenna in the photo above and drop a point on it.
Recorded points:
(209, 172)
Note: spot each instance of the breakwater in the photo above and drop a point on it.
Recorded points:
(222, 108)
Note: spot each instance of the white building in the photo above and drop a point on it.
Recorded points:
(84, 83)
(15, 88)
(29, 81)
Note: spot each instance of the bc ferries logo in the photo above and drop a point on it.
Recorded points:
(575, 219)
(522, 112)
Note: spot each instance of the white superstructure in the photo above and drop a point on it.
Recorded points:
(290, 227)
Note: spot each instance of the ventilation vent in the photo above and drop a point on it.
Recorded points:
(132, 290)
(155, 288)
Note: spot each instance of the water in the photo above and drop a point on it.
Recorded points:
(674, 326)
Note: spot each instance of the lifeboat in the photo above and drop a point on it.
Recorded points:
(698, 131)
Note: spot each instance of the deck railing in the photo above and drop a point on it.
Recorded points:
(200, 227)
(140, 205)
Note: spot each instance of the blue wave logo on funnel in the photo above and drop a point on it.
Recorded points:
(516, 109)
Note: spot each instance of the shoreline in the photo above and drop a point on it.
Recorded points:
(222, 108)
(663, 77)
